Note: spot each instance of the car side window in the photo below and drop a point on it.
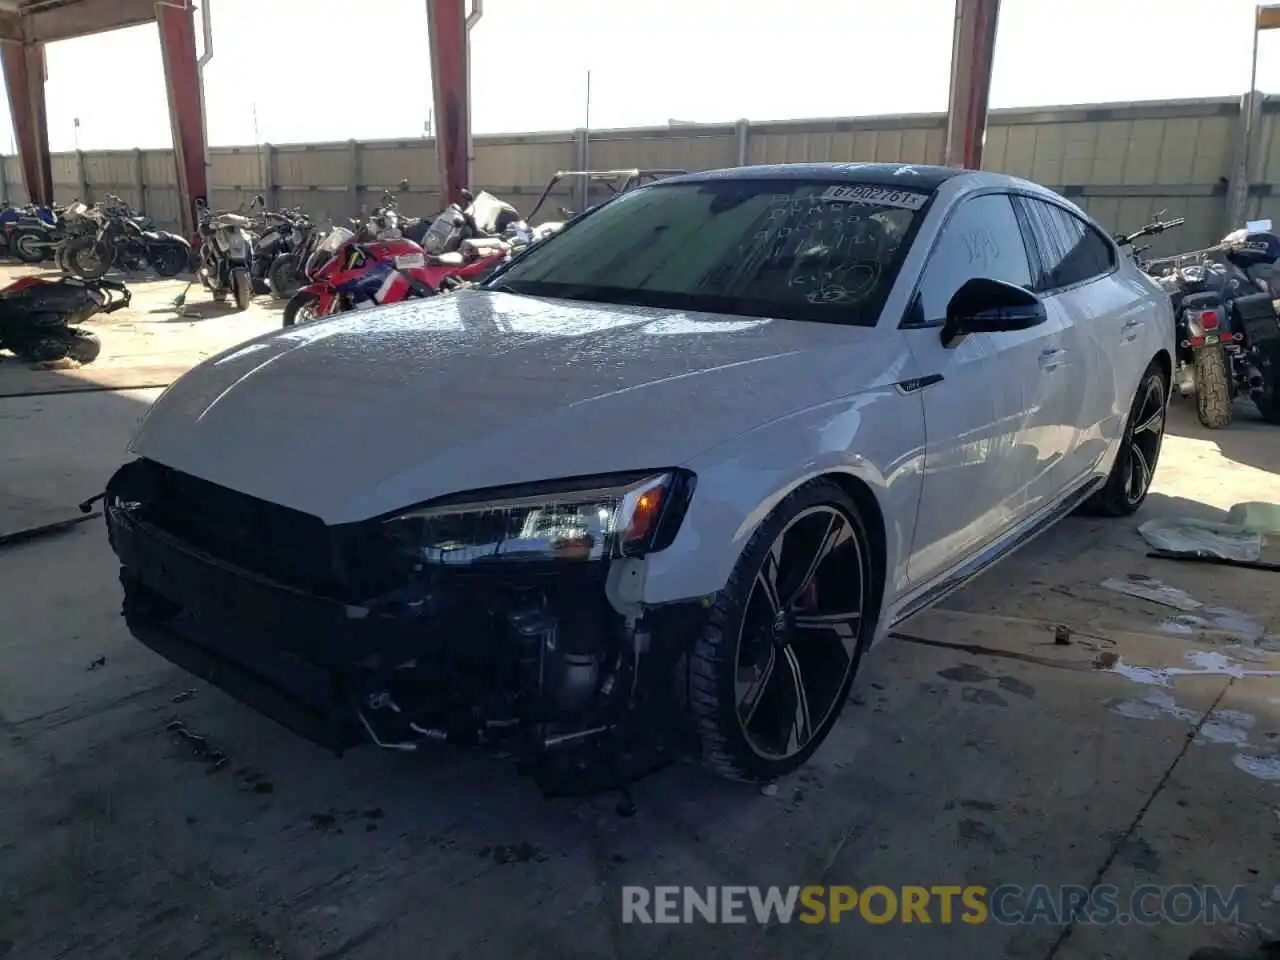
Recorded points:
(1070, 251)
(982, 239)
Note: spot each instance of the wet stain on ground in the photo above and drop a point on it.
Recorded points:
(964, 673)
(521, 852)
(200, 747)
(986, 698)
(1016, 686)
(985, 806)
(334, 821)
(1137, 852)
(977, 832)
(254, 781)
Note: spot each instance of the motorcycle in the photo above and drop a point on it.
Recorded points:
(1228, 330)
(344, 274)
(226, 255)
(32, 232)
(38, 318)
(277, 235)
(126, 241)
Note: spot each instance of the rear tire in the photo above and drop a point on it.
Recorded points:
(23, 245)
(242, 285)
(170, 260)
(283, 278)
(1135, 464)
(300, 308)
(769, 628)
(1267, 399)
(1213, 387)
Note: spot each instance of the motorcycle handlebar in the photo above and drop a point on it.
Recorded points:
(1149, 230)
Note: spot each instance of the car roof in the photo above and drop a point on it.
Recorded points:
(916, 176)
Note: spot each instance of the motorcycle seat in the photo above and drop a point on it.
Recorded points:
(151, 235)
(447, 259)
(483, 246)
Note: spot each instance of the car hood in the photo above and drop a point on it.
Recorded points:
(358, 415)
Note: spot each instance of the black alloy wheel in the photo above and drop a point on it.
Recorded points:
(1145, 440)
(799, 637)
(1135, 463)
(772, 668)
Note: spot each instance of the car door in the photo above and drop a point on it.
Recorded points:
(985, 397)
(1078, 278)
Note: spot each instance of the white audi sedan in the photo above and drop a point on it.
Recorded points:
(652, 490)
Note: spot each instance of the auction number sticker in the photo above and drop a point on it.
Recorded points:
(884, 196)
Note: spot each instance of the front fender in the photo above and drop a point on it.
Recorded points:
(875, 437)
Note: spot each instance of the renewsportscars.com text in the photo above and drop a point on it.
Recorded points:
(941, 904)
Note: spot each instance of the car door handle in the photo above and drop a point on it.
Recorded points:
(1051, 358)
(1130, 329)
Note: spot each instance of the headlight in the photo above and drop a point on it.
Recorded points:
(626, 518)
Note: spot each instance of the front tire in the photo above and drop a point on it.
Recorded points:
(770, 671)
(242, 286)
(80, 345)
(300, 308)
(86, 260)
(1135, 464)
(1213, 387)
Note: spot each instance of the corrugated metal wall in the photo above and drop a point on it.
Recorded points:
(1122, 162)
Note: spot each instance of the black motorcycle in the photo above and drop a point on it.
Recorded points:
(38, 318)
(278, 235)
(1228, 330)
(125, 241)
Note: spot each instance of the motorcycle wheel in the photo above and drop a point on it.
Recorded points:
(170, 260)
(85, 260)
(283, 277)
(1267, 397)
(242, 285)
(300, 308)
(25, 245)
(1213, 387)
(79, 345)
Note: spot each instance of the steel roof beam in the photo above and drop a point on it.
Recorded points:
(972, 54)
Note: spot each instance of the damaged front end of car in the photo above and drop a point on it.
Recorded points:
(509, 619)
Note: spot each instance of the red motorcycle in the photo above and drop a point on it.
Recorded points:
(39, 319)
(346, 274)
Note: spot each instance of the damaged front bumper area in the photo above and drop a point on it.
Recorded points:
(344, 636)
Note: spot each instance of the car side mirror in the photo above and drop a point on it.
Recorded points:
(991, 306)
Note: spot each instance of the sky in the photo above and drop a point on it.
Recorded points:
(650, 61)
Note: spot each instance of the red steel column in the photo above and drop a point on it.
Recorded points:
(448, 41)
(972, 53)
(24, 76)
(176, 20)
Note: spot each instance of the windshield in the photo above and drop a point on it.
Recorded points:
(788, 249)
(336, 238)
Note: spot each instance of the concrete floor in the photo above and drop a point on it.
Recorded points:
(977, 752)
